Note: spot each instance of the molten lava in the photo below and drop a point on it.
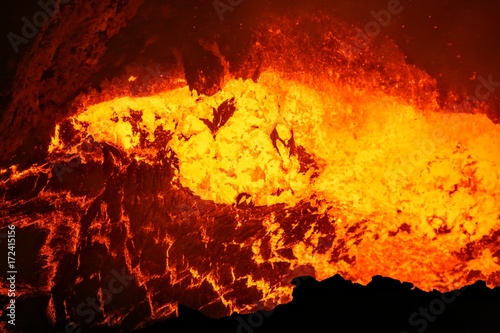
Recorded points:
(219, 201)
(405, 189)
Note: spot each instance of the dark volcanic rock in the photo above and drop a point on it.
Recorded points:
(338, 305)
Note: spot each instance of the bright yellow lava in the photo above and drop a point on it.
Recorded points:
(377, 158)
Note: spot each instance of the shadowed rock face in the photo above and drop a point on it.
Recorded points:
(84, 44)
(55, 66)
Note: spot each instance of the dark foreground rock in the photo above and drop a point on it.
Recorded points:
(337, 305)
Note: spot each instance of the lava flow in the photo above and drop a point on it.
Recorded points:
(399, 189)
(217, 202)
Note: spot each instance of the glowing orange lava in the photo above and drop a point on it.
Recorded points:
(424, 183)
(285, 175)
